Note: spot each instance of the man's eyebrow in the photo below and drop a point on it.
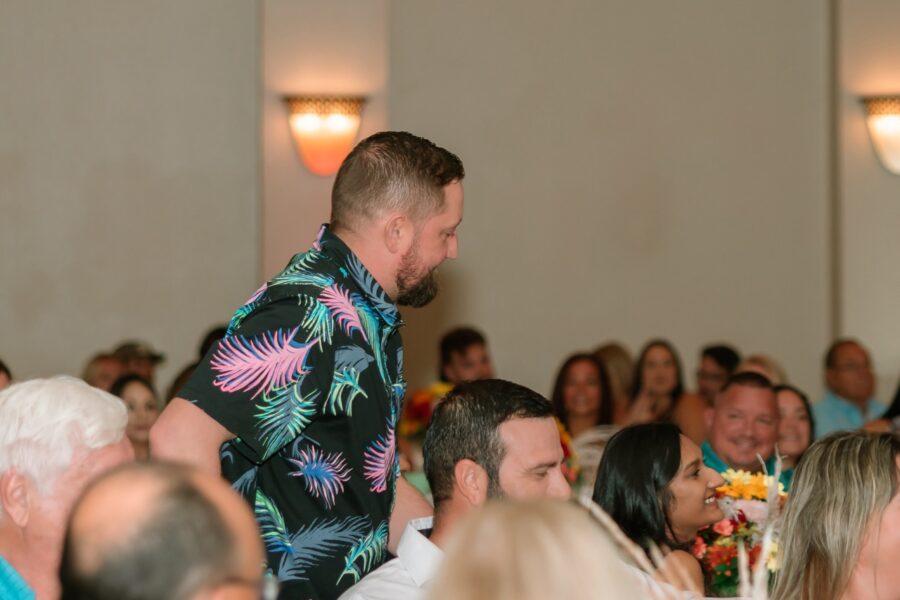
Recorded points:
(543, 466)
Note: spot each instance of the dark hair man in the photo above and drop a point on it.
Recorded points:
(487, 439)
(304, 389)
(742, 426)
(155, 531)
(717, 363)
(849, 401)
(464, 356)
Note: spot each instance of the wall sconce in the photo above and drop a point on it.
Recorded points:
(883, 120)
(324, 129)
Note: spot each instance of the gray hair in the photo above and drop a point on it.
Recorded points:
(44, 422)
(843, 482)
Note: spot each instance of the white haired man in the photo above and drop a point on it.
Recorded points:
(55, 436)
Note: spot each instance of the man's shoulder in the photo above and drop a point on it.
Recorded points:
(390, 580)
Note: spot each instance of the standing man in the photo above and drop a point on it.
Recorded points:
(849, 402)
(298, 404)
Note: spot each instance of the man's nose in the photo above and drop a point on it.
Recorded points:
(559, 488)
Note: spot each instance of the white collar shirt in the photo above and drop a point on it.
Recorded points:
(405, 576)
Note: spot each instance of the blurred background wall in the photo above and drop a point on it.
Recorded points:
(694, 170)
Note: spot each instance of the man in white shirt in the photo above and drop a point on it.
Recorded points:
(487, 439)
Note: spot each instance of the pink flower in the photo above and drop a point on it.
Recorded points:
(724, 527)
(699, 548)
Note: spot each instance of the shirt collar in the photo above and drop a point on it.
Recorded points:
(11, 583)
(350, 265)
(874, 408)
(419, 556)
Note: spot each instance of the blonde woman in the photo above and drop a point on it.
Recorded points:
(764, 365)
(840, 536)
(620, 368)
(532, 551)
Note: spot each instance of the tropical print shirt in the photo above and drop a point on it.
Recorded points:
(309, 379)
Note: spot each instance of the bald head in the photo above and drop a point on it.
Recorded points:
(152, 530)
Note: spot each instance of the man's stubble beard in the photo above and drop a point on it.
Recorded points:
(413, 289)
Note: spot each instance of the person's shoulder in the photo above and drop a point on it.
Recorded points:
(389, 581)
(680, 564)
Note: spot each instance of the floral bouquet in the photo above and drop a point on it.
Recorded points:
(417, 410)
(570, 467)
(746, 498)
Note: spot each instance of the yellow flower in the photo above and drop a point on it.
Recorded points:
(772, 560)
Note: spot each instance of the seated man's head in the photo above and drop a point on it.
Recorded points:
(55, 436)
(465, 356)
(102, 370)
(717, 363)
(161, 531)
(848, 371)
(139, 358)
(743, 421)
(492, 438)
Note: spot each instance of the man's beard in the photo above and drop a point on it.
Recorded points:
(414, 289)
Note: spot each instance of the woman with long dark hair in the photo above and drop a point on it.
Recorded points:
(581, 394)
(658, 393)
(653, 483)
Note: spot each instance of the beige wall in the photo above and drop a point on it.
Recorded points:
(322, 48)
(634, 169)
(870, 195)
(128, 176)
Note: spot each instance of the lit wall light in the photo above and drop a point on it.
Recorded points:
(883, 119)
(324, 129)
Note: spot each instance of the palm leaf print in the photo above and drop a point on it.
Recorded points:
(302, 271)
(371, 288)
(344, 390)
(368, 552)
(244, 484)
(379, 460)
(271, 524)
(372, 328)
(320, 539)
(283, 414)
(318, 323)
(261, 363)
(340, 304)
(249, 306)
(323, 473)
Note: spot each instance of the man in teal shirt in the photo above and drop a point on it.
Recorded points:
(742, 427)
(848, 402)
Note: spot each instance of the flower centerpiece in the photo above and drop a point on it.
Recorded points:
(747, 500)
(418, 408)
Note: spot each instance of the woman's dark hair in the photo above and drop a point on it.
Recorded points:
(604, 416)
(784, 387)
(5, 369)
(893, 410)
(122, 382)
(678, 390)
(633, 479)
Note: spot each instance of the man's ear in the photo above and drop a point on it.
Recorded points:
(398, 233)
(471, 481)
(16, 496)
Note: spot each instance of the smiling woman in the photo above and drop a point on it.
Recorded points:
(143, 409)
(653, 483)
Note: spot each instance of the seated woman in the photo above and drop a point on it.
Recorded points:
(143, 409)
(581, 394)
(535, 550)
(620, 368)
(658, 393)
(840, 533)
(583, 403)
(795, 426)
(653, 483)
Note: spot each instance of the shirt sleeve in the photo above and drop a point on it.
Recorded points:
(267, 380)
